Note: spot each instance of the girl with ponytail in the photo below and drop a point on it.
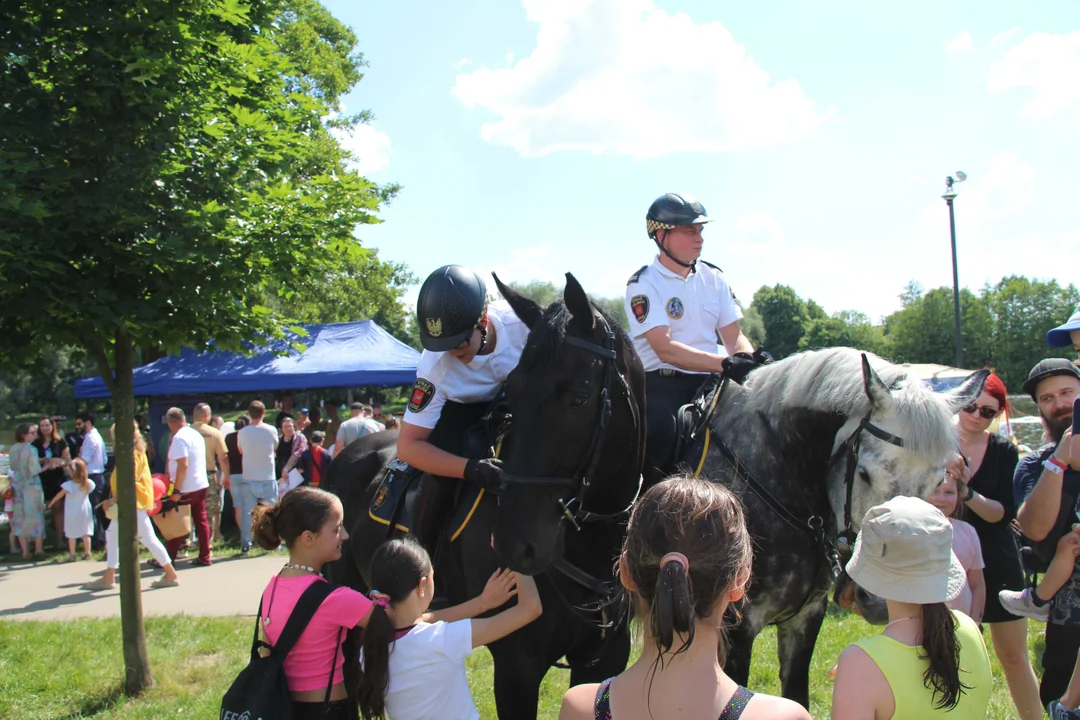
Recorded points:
(309, 522)
(929, 661)
(685, 559)
(414, 660)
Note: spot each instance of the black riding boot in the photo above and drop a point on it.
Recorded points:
(665, 392)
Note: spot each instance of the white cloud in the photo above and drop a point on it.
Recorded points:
(462, 63)
(1003, 38)
(525, 265)
(625, 77)
(960, 43)
(757, 235)
(369, 147)
(1048, 65)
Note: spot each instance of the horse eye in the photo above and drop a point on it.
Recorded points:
(864, 475)
(579, 398)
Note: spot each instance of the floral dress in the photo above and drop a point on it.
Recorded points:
(29, 507)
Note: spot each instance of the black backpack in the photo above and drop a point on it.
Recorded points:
(261, 690)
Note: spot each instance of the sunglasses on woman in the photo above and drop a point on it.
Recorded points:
(985, 412)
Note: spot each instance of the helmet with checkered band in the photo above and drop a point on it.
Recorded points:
(451, 304)
(670, 211)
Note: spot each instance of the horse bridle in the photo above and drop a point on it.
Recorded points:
(582, 478)
(839, 551)
(845, 539)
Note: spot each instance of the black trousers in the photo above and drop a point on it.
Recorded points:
(664, 395)
(99, 493)
(1062, 645)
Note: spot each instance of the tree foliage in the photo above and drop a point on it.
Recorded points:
(784, 315)
(165, 167)
(546, 293)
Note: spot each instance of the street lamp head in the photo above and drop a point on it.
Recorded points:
(961, 176)
(950, 193)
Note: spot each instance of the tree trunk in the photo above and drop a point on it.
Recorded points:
(137, 675)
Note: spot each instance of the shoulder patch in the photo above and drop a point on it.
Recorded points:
(714, 267)
(637, 276)
(421, 394)
(639, 305)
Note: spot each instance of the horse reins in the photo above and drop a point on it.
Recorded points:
(814, 525)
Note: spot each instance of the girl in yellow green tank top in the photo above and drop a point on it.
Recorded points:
(929, 661)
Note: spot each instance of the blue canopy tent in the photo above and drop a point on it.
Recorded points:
(356, 354)
(341, 355)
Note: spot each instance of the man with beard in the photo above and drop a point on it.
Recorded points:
(1049, 485)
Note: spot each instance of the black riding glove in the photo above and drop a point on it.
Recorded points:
(738, 366)
(763, 357)
(488, 474)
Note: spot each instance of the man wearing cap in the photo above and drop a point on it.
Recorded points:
(1066, 334)
(677, 307)
(1048, 484)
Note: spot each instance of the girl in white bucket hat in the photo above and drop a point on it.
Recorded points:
(929, 661)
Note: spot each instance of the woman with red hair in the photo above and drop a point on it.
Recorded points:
(989, 463)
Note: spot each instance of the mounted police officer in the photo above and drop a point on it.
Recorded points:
(470, 346)
(677, 307)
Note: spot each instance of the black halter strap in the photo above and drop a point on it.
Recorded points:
(852, 446)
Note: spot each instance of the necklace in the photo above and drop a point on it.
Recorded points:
(288, 566)
(294, 566)
(899, 620)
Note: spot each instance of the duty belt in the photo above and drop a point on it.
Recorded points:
(672, 372)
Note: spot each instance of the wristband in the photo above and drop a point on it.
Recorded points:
(1063, 467)
(1053, 466)
(970, 494)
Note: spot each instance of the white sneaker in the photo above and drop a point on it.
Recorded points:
(1021, 605)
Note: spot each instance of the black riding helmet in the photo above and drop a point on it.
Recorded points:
(451, 304)
(670, 211)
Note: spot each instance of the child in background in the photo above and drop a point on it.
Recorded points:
(966, 546)
(78, 515)
(414, 661)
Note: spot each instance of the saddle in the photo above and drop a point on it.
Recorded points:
(409, 501)
(693, 416)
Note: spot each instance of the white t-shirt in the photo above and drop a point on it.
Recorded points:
(93, 452)
(356, 428)
(257, 444)
(693, 308)
(427, 673)
(188, 443)
(440, 377)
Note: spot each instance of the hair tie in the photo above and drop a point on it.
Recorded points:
(676, 557)
(380, 599)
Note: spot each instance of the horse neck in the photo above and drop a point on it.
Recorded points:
(801, 438)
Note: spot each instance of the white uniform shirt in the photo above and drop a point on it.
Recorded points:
(694, 309)
(440, 377)
(188, 443)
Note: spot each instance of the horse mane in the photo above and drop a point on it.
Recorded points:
(831, 380)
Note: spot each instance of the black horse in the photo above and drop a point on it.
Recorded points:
(810, 443)
(573, 457)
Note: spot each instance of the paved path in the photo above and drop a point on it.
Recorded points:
(53, 591)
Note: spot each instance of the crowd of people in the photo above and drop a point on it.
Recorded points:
(66, 476)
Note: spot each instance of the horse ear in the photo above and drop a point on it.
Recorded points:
(528, 310)
(876, 390)
(577, 302)
(968, 391)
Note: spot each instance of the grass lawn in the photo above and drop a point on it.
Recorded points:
(67, 670)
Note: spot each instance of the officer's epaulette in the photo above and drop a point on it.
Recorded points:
(636, 276)
(706, 262)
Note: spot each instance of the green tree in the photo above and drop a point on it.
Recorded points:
(847, 328)
(163, 167)
(784, 315)
(923, 330)
(1022, 311)
(752, 326)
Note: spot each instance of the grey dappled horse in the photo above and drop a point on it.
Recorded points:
(809, 444)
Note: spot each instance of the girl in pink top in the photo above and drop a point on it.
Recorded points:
(966, 547)
(309, 522)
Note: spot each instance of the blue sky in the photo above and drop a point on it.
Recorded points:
(530, 138)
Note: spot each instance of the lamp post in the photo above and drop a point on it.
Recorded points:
(948, 197)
